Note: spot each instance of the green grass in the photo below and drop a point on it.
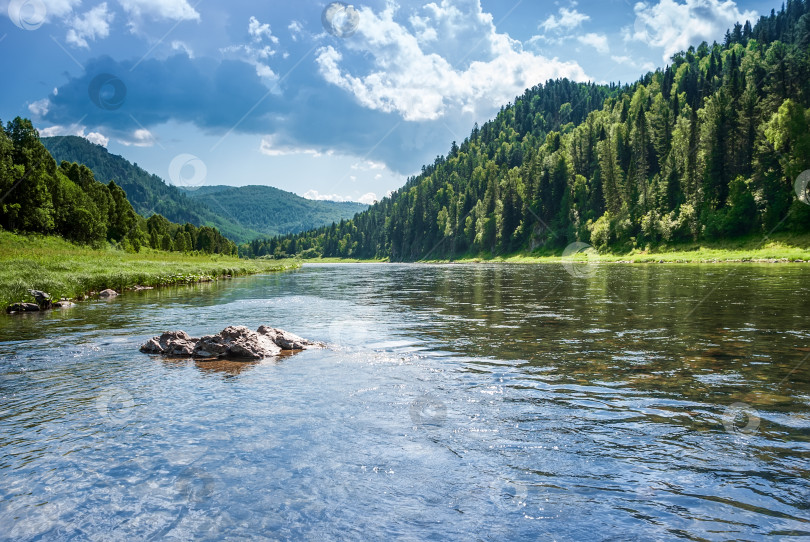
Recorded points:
(781, 247)
(63, 269)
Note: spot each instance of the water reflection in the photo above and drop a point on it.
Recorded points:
(455, 402)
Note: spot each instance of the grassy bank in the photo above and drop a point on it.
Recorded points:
(63, 269)
(778, 248)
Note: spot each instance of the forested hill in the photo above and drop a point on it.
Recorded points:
(39, 196)
(707, 148)
(241, 214)
(148, 193)
(273, 211)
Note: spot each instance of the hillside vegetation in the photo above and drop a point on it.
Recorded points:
(273, 211)
(707, 149)
(240, 213)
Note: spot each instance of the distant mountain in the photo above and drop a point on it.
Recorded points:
(272, 211)
(241, 214)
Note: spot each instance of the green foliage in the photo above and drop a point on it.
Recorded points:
(240, 213)
(707, 148)
(39, 197)
(61, 268)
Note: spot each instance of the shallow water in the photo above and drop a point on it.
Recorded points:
(481, 402)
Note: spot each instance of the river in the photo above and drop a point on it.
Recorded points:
(454, 402)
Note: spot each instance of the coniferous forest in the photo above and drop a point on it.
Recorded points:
(707, 148)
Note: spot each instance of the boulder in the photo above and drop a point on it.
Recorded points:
(64, 304)
(233, 342)
(107, 293)
(22, 307)
(43, 299)
(171, 343)
(286, 340)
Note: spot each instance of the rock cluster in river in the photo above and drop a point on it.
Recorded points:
(233, 342)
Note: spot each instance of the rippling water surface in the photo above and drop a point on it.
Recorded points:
(485, 402)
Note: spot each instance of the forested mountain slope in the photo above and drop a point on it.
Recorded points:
(273, 211)
(707, 148)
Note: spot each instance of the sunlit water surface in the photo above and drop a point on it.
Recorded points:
(486, 402)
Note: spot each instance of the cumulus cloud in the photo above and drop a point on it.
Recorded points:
(94, 24)
(367, 198)
(93, 137)
(178, 45)
(418, 79)
(566, 20)
(674, 26)
(597, 41)
(258, 50)
(174, 10)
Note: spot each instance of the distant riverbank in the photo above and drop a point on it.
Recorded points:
(779, 248)
(64, 269)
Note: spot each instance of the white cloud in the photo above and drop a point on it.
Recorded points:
(57, 130)
(39, 108)
(367, 165)
(568, 19)
(272, 146)
(421, 77)
(139, 138)
(259, 31)
(97, 138)
(597, 41)
(296, 29)
(178, 45)
(94, 24)
(175, 10)
(644, 66)
(367, 198)
(674, 26)
(258, 50)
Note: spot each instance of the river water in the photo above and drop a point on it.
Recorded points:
(454, 402)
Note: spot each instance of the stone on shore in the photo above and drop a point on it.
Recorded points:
(107, 293)
(233, 342)
(22, 307)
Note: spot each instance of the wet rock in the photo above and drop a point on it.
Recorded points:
(42, 299)
(237, 342)
(138, 288)
(107, 293)
(63, 304)
(22, 307)
(171, 343)
(233, 342)
(286, 340)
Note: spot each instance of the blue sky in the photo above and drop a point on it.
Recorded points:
(339, 104)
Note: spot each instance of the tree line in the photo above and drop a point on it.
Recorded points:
(707, 148)
(37, 196)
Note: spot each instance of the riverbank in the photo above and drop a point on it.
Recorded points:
(780, 248)
(63, 269)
